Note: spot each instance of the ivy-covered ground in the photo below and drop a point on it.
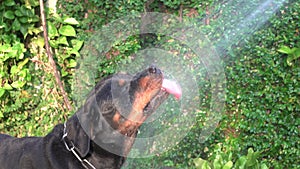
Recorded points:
(261, 124)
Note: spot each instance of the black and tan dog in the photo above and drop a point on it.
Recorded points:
(101, 132)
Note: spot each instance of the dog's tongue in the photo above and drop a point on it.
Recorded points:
(172, 87)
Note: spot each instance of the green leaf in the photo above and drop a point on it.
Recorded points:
(263, 166)
(289, 60)
(14, 70)
(23, 19)
(23, 74)
(64, 73)
(77, 44)
(18, 13)
(24, 30)
(297, 53)
(22, 63)
(9, 15)
(33, 19)
(9, 3)
(6, 86)
(71, 21)
(217, 163)
(52, 31)
(205, 165)
(74, 52)
(2, 74)
(53, 43)
(39, 41)
(284, 49)
(2, 25)
(31, 3)
(294, 55)
(26, 11)
(62, 40)
(201, 163)
(228, 165)
(72, 63)
(33, 30)
(2, 92)
(241, 162)
(16, 25)
(251, 157)
(18, 84)
(250, 151)
(67, 30)
(5, 48)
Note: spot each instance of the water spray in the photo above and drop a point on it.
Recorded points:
(233, 20)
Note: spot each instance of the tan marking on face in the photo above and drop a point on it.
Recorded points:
(116, 118)
(128, 127)
(149, 88)
(121, 82)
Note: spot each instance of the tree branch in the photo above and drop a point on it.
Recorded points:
(50, 58)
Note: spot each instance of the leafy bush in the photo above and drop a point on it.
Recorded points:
(17, 25)
(224, 160)
(263, 90)
(27, 92)
(262, 105)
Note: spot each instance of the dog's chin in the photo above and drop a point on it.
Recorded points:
(155, 102)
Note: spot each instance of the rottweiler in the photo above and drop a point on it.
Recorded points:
(101, 133)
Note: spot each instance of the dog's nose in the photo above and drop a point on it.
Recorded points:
(154, 70)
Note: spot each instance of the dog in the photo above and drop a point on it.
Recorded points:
(100, 134)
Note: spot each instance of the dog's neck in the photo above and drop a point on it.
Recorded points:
(86, 149)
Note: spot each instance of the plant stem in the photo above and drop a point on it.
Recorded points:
(50, 58)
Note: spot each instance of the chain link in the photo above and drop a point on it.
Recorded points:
(85, 163)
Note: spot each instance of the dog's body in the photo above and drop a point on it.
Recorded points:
(86, 138)
(49, 152)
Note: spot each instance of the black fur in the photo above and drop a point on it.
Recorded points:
(50, 152)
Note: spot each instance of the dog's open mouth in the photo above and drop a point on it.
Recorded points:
(168, 87)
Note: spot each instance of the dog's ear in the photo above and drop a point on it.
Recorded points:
(78, 136)
(110, 96)
(91, 116)
(96, 117)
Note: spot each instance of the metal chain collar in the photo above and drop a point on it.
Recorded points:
(85, 163)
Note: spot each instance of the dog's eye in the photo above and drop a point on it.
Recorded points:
(152, 69)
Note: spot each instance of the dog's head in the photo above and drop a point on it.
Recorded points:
(119, 104)
(135, 98)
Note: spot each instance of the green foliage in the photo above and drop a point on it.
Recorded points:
(118, 54)
(95, 13)
(263, 92)
(27, 93)
(14, 72)
(293, 54)
(224, 160)
(229, 155)
(262, 108)
(16, 26)
(63, 40)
